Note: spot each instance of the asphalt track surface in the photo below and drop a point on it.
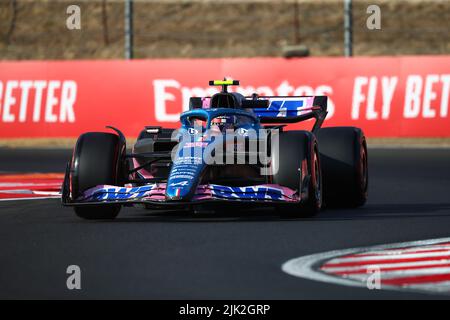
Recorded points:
(226, 256)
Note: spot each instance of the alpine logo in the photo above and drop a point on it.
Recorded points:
(181, 183)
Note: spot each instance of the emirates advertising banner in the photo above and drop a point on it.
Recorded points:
(385, 96)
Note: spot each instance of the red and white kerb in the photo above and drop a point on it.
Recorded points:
(419, 266)
(30, 186)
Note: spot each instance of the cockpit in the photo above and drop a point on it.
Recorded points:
(220, 123)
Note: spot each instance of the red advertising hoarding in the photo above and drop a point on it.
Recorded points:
(386, 96)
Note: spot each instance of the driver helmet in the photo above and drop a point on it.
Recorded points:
(223, 123)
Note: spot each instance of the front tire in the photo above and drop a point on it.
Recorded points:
(97, 160)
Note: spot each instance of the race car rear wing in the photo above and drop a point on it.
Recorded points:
(278, 109)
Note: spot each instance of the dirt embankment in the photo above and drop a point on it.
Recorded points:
(219, 28)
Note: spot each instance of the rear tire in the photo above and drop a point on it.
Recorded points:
(294, 149)
(97, 159)
(343, 152)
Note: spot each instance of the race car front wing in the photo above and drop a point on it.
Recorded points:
(154, 194)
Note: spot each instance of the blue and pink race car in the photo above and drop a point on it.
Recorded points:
(230, 150)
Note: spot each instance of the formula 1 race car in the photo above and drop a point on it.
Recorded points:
(230, 150)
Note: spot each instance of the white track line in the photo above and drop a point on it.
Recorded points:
(444, 287)
(402, 251)
(391, 257)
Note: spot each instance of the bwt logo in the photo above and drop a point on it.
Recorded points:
(168, 93)
(121, 193)
(247, 193)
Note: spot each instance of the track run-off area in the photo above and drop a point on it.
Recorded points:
(403, 231)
